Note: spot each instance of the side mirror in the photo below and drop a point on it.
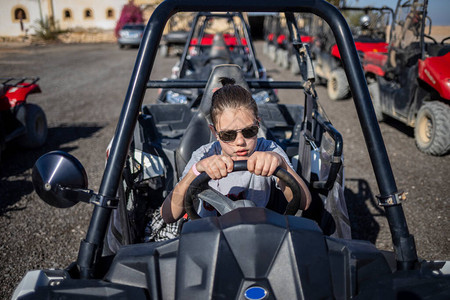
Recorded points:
(55, 172)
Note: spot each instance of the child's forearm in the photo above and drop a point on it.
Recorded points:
(304, 188)
(172, 208)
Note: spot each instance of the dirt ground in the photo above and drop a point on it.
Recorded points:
(83, 87)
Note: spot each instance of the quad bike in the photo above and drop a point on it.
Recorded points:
(21, 122)
(410, 82)
(247, 252)
(215, 38)
(369, 36)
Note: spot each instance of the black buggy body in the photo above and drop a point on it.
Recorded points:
(248, 252)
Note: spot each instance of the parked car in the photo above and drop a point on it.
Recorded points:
(411, 82)
(130, 35)
(248, 252)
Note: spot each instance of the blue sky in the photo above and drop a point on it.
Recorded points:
(438, 10)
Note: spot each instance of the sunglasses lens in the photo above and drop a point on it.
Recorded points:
(228, 136)
(250, 131)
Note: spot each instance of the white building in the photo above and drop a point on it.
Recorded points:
(18, 17)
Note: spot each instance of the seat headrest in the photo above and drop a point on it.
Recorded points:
(213, 84)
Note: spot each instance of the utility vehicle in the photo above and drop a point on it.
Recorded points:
(411, 82)
(247, 252)
(369, 34)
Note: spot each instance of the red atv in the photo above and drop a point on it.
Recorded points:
(20, 121)
(369, 36)
(411, 82)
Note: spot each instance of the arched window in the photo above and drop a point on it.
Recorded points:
(88, 14)
(67, 14)
(19, 13)
(110, 13)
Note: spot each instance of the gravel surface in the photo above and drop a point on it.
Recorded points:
(83, 87)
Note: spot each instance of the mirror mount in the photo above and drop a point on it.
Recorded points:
(86, 196)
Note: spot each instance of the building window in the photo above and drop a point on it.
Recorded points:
(110, 13)
(88, 14)
(67, 14)
(19, 14)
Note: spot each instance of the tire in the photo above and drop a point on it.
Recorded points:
(121, 46)
(295, 69)
(164, 51)
(265, 48)
(432, 128)
(272, 52)
(36, 125)
(374, 90)
(279, 56)
(337, 85)
(284, 63)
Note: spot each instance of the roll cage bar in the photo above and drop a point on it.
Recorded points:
(90, 248)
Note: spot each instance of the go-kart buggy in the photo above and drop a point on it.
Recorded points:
(369, 36)
(277, 45)
(410, 83)
(21, 122)
(215, 38)
(248, 252)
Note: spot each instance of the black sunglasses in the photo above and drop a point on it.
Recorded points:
(230, 135)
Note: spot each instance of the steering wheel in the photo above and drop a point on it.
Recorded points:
(200, 188)
(431, 38)
(443, 41)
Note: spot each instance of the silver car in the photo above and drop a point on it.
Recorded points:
(130, 35)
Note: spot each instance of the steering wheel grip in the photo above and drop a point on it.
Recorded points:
(198, 184)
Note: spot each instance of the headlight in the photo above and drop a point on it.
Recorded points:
(261, 97)
(173, 97)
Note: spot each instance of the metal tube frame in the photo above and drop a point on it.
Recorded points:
(90, 248)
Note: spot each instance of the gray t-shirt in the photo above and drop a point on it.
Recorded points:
(237, 185)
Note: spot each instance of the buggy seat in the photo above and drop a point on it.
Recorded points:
(197, 132)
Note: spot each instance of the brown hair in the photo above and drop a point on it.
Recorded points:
(231, 96)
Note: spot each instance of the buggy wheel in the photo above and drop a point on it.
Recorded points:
(36, 125)
(337, 85)
(374, 91)
(272, 53)
(432, 128)
(284, 60)
(265, 48)
(295, 69)
(164, 50)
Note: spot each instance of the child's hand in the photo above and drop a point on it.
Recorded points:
(216, 166)
(264, 163)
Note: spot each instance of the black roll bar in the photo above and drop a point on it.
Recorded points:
(199, 84)
(91, 246)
